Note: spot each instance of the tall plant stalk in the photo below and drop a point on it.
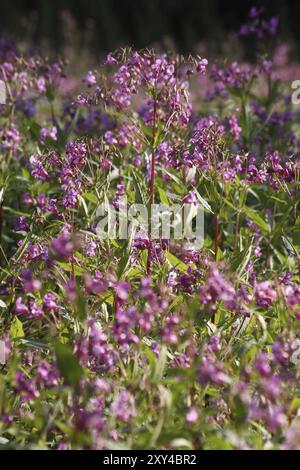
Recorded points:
(152, 178)
(236, 231)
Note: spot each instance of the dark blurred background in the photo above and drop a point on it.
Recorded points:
(103, 25)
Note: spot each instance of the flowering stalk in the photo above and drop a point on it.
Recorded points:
(152, 176)
(108, 320)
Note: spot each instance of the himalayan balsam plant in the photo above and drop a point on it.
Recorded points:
(150, 343)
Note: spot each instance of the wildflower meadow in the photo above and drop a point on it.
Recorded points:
(117, 334)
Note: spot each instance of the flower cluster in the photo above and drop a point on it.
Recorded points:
(145, 341)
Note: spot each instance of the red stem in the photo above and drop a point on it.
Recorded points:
(1, 221)
(152, 184)
(236, 231)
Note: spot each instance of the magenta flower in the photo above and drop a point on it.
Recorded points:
(124, 407)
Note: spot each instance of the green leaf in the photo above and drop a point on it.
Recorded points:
(228, 203)
(160, 364)
(163, 197)
(34, 130)
(68, 364)
(78, 271)
(91, 197)
(16, 329)
(295, 405)
(176, 262)
(25, 174)
(241, 259)
(203, 201)
(140, 195)
(35, 344)
(80, 304)
(256, 219)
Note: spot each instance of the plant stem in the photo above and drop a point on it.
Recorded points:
(152, 176)
(213, 318)
(216, 236)
(1, 221)
(153, 157)
(236, 231)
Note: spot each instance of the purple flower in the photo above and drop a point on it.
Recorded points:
(265, 294)
(38, 170)
(70, 199)
(35, 311)
(25, 387)
(212, 372)
(20, 308)
(27, 199)
(41, 85)
(21, 225)
(192, 416)
(90, 248)
(94, 350)
(32, 285)
(122, 290)
(110, 60)
(10, 139)
(276, 418)
(216, 288)
(90, 79)
(47, 375)
(124, 407)
(46, 204)
(201, 66)
(77, 153)
(50, 302)
(262, 365)
(272, 387)
(46, 133)
(191, 198)
(235, 129)
(63, 246)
